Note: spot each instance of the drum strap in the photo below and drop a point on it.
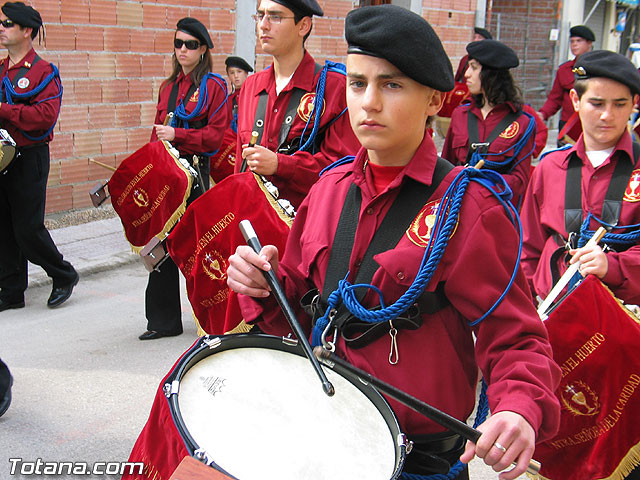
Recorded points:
(21, 73)
(410, 200)
(474, 136)
(290, 114)
(173, 101)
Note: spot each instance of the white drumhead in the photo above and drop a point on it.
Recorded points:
(262, 414)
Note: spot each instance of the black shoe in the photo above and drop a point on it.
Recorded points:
(6, 400)
(59, 295)
(152, 335)
(4, 305)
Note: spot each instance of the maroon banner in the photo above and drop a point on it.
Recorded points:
(149, 192)
(571, 130)
(208, 234)
(223, 162)
(596, 343)
(453, 99)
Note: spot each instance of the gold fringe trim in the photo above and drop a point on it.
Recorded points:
(200, 331)
(242, 327)
(273, 202)
(630, 461)
(181, 209)
(628, 311)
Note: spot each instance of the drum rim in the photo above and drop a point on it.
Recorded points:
(202, 349)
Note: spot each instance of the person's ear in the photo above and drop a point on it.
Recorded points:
(575, 99)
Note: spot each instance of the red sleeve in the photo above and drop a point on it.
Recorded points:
(554, 100)
(456, 135)
(542, 130)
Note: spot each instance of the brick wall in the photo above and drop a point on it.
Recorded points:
(113, 55)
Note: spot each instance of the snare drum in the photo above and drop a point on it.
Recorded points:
(253, 407)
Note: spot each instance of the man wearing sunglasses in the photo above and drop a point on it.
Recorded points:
(294, 142)
(30, 98)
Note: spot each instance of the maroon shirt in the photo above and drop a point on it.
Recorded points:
(543, 216)
(438, 362)
(296, 173)
(559, 95)
(456, 143)
(196, 140)
(32, 118)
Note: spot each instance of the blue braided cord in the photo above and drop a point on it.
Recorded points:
(481, 414)
(446, 221)
(316, 113)
(613, 238)
(565, 147)
(337, 163)
(234, 123)
(10, 93)
(516, 147)
(203, 104)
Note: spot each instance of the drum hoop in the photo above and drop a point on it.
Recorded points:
(210, 344)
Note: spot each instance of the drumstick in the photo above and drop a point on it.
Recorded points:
(250, 236)
(103, 165)
(438, 416)
(567, 276)
(252, 143)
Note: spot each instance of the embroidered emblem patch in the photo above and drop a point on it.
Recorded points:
(419, 232)
(215, 266)
(195, 96)
(511, 131)
(579, 399)
(23, 82)
(305, 107)
(632, 193)
(140, 198)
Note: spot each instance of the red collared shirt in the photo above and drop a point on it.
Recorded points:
(438, 362)
(33, 117)
(456, 143)
(296, 173)
(543, 216)
(196, 140)
(559, 95)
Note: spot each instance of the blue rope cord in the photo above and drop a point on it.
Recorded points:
(612, 238)
(10, 93)
(316, 112)
(446, 221)
(517, 148)
(481, 414)
(202, 105)
(337, 163)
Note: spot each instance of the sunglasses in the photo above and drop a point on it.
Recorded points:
(190, 44)
(10, 23)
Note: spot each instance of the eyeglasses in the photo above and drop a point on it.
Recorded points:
(190, 44)
(7, 23)
(271, 18)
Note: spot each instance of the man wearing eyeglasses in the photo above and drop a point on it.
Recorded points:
(294, 141)
(30, 98)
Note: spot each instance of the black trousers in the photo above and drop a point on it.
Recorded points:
(162, 296)
(23, 235)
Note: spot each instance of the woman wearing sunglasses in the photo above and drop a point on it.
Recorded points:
(198, 100)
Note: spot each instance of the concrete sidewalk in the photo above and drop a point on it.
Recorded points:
(91, 247)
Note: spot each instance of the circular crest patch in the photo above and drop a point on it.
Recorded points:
(215, 266)
(632, 193)
(23, 82)
(511, 131)
(195, 96)
(305, 107)
(579, 399)
(140, 198)
(420, 230)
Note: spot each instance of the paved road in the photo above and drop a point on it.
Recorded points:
(84, 383)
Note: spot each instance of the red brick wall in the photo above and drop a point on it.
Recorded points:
(113, 55)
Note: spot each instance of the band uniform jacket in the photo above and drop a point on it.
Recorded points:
(438, 362)
(559, 95)
(543, 216)
(29, 117)
(195, 140)
(456, 143)
(296, 173)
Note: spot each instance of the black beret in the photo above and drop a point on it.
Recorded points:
(196, 29)
(23, 15)
(603, 63)
(493, 54)
(483, 32)
(306, 8)
(582, 31)
(402, 38)
(238, 62)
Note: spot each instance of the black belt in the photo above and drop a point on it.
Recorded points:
(434, 454)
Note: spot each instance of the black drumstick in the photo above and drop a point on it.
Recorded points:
(252, 143)
(438, 416)
(250, 236)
